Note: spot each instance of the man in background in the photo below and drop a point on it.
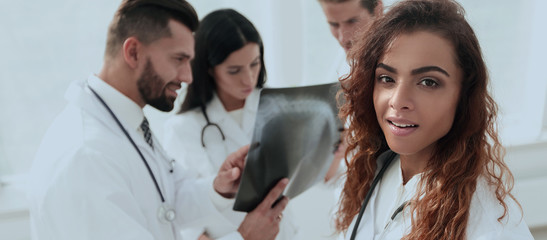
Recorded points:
(346, 18)
(101, 174)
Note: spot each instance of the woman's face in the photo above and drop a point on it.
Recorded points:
(237, 76)
(416, 91)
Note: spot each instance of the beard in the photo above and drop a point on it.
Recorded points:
(152, 89)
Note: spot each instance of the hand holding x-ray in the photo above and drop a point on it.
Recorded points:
(294, 133)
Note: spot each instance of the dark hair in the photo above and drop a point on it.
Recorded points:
(147, 21)
(369, 5)
(469, 150)
(220, 33)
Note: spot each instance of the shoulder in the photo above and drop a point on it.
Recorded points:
(189, 119)
(182, 131)
(74, 134)
(484, 201)
(486, 209)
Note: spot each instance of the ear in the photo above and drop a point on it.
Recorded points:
(379, 9)
(131, 51)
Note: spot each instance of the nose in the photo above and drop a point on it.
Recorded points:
(185, 73)
(401, 98)
(248, 77)
(344, 36)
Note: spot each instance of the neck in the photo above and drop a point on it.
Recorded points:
(120, 77)
(231, 104)
(412, 165)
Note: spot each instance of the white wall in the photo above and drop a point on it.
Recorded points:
(47, 44)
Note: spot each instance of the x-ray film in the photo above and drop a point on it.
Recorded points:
(295, 133)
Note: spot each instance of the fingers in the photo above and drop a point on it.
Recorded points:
(227, 180)
(239, 154)
(276, 212)
(235, 173)
(280, 206)
(274, 194)
(229, 175)
(243, 150)
(204, 237)
(263, 222)
(236, 159)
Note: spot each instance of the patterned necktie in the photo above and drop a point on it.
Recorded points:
(147, 134)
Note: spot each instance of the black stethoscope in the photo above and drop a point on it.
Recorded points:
(388, 161)
(165, 212)
(209, 124)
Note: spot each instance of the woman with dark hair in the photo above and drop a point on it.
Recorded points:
(218, 113)
(426, 159)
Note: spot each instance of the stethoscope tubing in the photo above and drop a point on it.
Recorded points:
(369, 193)
(209, 124)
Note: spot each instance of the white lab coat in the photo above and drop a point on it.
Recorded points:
(88, 181)
(183, 135)
(390, 193)
(183, 141)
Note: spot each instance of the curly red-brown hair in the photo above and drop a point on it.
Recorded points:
(471, 149)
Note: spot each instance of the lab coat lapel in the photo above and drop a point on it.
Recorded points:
(216, 149)
(81, 96)
(232, 131)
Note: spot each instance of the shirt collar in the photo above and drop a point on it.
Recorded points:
(251, 105)
(127, 111)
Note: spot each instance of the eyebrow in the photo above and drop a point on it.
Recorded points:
(351, 19)
(343, 21)
(417, 70)
(183, 55)
(239, 66)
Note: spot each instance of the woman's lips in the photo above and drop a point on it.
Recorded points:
(402, 128)
(248, 91)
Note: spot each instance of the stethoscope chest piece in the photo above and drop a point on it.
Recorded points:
(166, 214)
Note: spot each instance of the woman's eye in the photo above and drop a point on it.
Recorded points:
(428, 82)
(255, 64)
(385, 79)
(233, 71)
(180, 58)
